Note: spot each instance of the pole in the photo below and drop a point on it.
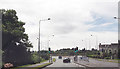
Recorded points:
(39, 42)
(86, 44)
(49, 52)
(39, 37)
(97, 43)
(50, 55)
(89, 45)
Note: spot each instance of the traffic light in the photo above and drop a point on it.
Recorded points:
(49, 50)
(48, 18)
(76, 49)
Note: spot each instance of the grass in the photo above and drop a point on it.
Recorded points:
(27, 65)
(41, 66)
(54, 59)
(99, 59)
(37, 67)
(110, 60)
(117, 59)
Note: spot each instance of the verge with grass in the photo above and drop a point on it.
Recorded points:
(41, 66)
(27, 65)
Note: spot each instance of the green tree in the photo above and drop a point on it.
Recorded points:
(14, 40)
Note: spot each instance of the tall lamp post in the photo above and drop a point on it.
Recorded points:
(39, 37)
(116, 17)
(50, 55)
(96, 42)
(49, 40)
(85, 43)
(39, 33)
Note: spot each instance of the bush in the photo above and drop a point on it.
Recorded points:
(92, 56)
(45, 56)
(35, 58)
(107, 58)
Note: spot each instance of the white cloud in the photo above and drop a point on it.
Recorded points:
(106, 24)
(68, 20)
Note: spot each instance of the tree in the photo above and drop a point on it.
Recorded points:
(14, 40)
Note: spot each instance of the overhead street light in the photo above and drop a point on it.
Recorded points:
(116, 17)
(39, 36)
(49, 40)
(97, 47)
(39, 33)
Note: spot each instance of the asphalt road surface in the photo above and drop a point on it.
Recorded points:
(58, 64)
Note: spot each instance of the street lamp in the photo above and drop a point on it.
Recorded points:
(116, 17)
(50, 55)
(39, 37)
(49, 40)
(96, 41)
(85, 44)
(39, 33)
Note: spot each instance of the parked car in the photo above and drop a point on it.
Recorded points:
(60, 57)
(66, 60)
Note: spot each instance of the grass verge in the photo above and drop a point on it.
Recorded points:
(27, 65)
(41, 66)
(114, 60)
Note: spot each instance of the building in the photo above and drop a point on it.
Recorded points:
(111, 50)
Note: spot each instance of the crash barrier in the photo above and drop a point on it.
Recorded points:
(84, 59)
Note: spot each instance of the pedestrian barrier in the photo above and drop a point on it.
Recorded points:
(84, 59)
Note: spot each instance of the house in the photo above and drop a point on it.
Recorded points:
(111, 50)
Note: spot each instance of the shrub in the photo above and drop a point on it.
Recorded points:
(107, 58)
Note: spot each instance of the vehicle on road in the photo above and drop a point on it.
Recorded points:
(60, 57)
(66, 60)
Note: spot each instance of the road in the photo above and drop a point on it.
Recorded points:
(58, 64)
(81, 64)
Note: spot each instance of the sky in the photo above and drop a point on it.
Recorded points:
(81, 23)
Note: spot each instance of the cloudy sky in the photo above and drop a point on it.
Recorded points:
(72, 21)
